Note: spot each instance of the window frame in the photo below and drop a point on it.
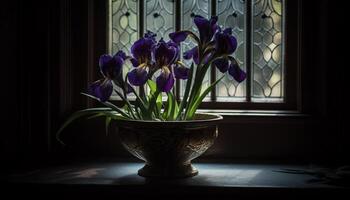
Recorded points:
(291, 60)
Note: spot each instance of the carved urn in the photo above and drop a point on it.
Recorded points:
(168, 147)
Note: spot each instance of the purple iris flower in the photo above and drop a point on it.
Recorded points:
(122, 54)
(225, 42)
(236, 72)
(181, 72)
(222, 64)
(165, 54)
(179, 36)
(177, 50)
(192, 53)
(207, 28)
(165, 81)
(150, 35)
(141, 51)
(101, 89)
(138, 76)
(110, 68)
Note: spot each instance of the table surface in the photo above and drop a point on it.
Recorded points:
(210, 175)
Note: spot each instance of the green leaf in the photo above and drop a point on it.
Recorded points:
(153, 87)
(169, 107)
(152, 104)
(159, 103)
(97, 115)
(110, 105)
(199, 100)
(108, 121)
(176, 109)
(166, 109)
(141, 104)
(127, 105)
(143, 94)
(172, 104)
(197, 86)
(196, 93)
(77, 115)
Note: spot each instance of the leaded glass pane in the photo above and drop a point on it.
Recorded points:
(267, 37)
(160, 17)
(124, 24)
(231, 13)
(267, 72)
(190, 8)
(124, 27)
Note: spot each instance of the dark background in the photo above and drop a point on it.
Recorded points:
(47, 47)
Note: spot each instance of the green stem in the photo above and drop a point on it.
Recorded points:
(198, 83)
(127, 103)
(153, 102)
(187, 90)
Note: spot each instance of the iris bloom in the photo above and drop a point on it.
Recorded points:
(207, 29)
(150, 56)
(164, 56)
(214, 48)
(141, 51)
(110, 68)
(226, 44)
(212, 37)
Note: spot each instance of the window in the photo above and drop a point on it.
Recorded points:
(259, 26)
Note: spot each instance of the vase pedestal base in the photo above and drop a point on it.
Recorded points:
(181, 171)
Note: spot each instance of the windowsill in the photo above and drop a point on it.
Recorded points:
(121, 178)
(255, 113)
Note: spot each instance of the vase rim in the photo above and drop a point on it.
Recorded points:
(212, 119)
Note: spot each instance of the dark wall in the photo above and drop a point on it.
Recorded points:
(47, 51)
(25, 77)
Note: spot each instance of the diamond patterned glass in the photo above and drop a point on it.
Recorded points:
(124, 16)
(267, 72)
(231, 13)
(267, 36)
(160, 17)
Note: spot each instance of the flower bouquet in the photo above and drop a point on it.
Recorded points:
(156, 65)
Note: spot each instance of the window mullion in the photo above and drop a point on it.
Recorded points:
(141, 18)
(248, 46)
(213, 69)
(178, 18)
(141, 24)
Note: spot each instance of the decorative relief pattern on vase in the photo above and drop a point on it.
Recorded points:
(180, 145)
